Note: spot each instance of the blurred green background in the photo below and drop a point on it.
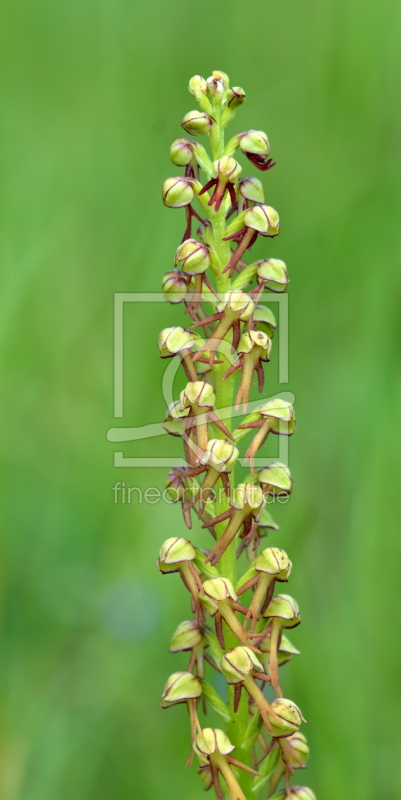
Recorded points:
(92, 95)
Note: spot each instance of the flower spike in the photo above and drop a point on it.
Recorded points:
(238, 625)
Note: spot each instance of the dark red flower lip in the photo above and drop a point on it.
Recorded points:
(260, 161)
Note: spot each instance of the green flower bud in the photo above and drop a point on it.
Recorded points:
(253, 339)
(180, 687)
(297, 793)
(217, 589)
(174, 552)
(174, 424)
(238, 301)
(174, 340)
(212, 740)
(227, 167)
(175, 286)
(193, 256)
(239, 662)
(199, 394)
(265, 520)
(197, 123)
(254, 142)
(235, 97)
(186, 636)
(273, 273)
(252, 189)
(175, 411)
(286, 608)
(274, 561)
(276, 477)
(263, 219)
(215, 87)
(218, 75)
(247, 494)
(298, 750)
(181, 152)
(281, 414)
(220, 454)
(198, 88)
(302, 793)
(265, 320)
(197, 85)
(177, 193)
(290, 717)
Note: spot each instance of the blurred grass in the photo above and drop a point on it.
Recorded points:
(92, 95)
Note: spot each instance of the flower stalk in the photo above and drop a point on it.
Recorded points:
(227, 342)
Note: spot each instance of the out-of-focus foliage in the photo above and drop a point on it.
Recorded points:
(92, 95)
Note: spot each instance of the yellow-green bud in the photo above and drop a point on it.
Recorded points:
(238, 663)
(177, 192)
(238, 301)
(215, 87)
(277, 409)
(302, 793)
(281, 414)
(218, 75)
(210, 741)
(197, 85)
(198, 88)
(274, 561)
(193, 256)
(235, 97)
(199, 394)
(175, 411)
(265, 320)
(265, 520)
(174, 285)
(290, 717)
(254, 142)
(197, 123)
(218, 589)
(263, 219)
(298, 750)
(297, 793)
(277, 477)
(286, 609)
(173, 552)
(180, 687)
(186, 636)
(253, 339)
(247, 494)
(252, 189)
(220, 454)
(273, 272)
(181, 152)
(174, 340)
(228, 167)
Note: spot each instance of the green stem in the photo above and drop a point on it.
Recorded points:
(224, 391)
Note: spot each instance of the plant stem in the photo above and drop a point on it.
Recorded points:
(225, 396)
